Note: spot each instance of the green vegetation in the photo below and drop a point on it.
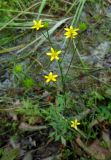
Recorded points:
(55, 87)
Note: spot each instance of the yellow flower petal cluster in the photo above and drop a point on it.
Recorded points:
(51, 77)
(37, 24)
(75, 123)
(54, 54)
(71, 32)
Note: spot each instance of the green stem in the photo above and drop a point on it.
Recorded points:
(65, 50)
(62, 81)
(71, 61)
(60, 68)
(47, 37)
(82, 63)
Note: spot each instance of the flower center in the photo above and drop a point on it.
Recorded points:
(54, 54)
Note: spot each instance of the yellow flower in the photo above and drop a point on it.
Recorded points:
(37, 24)
(75, 123)
(51, 77)
(71, 32)
(53, 54)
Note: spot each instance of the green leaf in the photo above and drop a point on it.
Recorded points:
(83, 26)
(28, 83)
(10, 154)
(63, 140)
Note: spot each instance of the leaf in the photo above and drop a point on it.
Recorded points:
(28, 156)
(106, 138)
(26, 127)
(63, 140)
(98, 96)
(109, 1)
(10, 154)
(43, 3)
(94, 150)
(108, 92)
(83, 26)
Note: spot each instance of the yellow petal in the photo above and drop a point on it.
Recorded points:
(54, 79)
(76, 29)
(45, 76)
(66, 33)
(71, 27)
(34, 21)
(52, 58)
(50, 74)
(55, 76)
(49, 54)
(48, 80)
(57, 58)
(52, 50)
(66, 29)
(58, 52)
(33, 27)
(40, 21)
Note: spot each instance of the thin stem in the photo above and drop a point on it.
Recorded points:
(62, 80)
(65, 50)
(47, 37)
(82, 63)
(74, 49)
(60, 68)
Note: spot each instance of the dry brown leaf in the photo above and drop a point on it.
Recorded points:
(109, 1)
(106, 138)
(94, 150)
(28, 156)
(27, 127)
